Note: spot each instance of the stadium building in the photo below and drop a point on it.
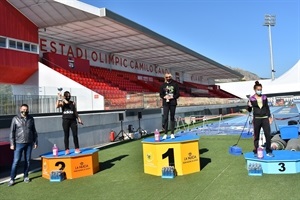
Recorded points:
(109, 64)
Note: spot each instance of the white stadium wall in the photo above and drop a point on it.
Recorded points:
(198, 78)
(46, 81)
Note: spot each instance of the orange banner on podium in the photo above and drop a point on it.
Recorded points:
(74, 165)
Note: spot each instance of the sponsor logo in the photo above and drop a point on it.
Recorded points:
(68, 112)
(149, 157)
(190, 158)
(45, 168)
(81, 167)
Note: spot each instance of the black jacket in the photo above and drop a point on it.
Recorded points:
(257, 111)
(22, 131)
(169, 88)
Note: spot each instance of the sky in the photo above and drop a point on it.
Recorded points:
(230, 32)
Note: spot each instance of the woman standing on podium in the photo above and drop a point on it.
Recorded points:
(70, 118)
(169, 92)
(261, 117)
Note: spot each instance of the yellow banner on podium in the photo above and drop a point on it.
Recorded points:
(181, 152)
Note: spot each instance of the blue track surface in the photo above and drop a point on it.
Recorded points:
(242, 124)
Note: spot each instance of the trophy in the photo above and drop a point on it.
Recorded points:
(59, 93)
(168, 94)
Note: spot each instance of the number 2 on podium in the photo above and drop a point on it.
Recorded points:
(169, 154)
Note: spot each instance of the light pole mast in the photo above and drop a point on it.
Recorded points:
(270, 20)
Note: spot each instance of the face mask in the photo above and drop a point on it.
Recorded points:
(24, 113)
(258, 92)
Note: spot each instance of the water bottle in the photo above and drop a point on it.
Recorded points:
(55, 150)
(250, 168)
(260, 169)
(172, 171)
(156, 136)
(260, 152)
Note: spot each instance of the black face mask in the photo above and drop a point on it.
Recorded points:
(68, 98)
(24, 113)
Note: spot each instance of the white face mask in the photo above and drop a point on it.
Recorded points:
(258, 92)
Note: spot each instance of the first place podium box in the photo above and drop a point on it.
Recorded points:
(181, 152)
(73, 165)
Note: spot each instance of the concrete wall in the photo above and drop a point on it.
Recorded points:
(94, 132)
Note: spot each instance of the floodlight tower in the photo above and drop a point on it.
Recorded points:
(270, 20)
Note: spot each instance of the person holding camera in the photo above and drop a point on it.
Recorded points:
(70, 118)
(169, 93)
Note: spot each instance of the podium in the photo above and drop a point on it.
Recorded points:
(283, 162)
(7, 154)
(74, 165)
(181, 152)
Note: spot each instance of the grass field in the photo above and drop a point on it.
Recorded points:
(222, 176)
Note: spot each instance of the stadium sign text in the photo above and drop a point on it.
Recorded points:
(97, 58)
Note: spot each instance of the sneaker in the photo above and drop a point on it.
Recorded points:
(26, 180)
(172, 136)
(164, 137)
(77, 151)
(270, 154)
(11, 183)
(67, 152)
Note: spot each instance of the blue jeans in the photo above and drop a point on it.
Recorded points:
(19, 149)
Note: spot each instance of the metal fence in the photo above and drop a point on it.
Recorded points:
(9, 104)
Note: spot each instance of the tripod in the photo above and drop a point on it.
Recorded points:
(122, 132)
(140, 130)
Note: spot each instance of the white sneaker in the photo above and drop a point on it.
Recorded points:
(11, 183)
(164, 137)
(172, 136)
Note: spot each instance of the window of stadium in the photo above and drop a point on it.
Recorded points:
(34, 48)
(26, 46)
(20, 45)
(2, 42)
(12, 44)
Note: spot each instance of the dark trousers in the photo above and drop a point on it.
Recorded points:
(263, 123)
(166, 110)
(21, 148)
(67, 124)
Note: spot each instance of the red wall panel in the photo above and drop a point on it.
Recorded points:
(15, 25)
(56, 60)
(16, 66)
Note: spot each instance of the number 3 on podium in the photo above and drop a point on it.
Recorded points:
(282, 167)
(169, 154)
